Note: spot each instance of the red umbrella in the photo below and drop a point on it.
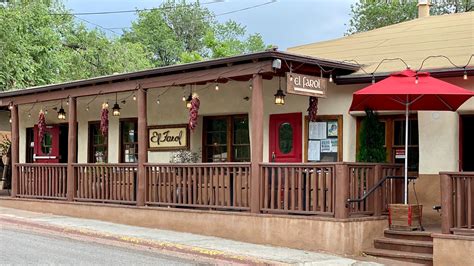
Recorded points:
(408, 90)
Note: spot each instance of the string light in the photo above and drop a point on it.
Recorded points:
(134, 97)
(330, 77)
(416, 79)
(217, 86)
(188, 101)
(87, 108)
(184, 98)
(158, 101)
(10, 119)
(29, 115)
(373, 79)
(45, 111)
(465, 74)
(10, 106)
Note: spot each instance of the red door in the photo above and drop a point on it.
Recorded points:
(285, 137)
(47, 150)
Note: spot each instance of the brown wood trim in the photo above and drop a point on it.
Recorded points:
(176, 79)
(340, 137)
(188, 137)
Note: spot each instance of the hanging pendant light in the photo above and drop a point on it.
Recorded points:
(61, 112)
(279, 96)
(116, 107)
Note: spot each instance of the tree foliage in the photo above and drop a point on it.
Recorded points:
(372, 138)
(372, 14)
(38, 47)
(179, 32)
(42, 43)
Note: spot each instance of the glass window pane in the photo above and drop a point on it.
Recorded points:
(399, 132)
(46, 143)
(285, 138)
(241, 130)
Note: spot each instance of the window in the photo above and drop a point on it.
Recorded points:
(97, 144)
(129, 140)
(226, 138)
(394, 126)
(323, 139)
(47, 143)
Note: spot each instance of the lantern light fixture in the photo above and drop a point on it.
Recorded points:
(465, 74)
(188, 101)
(116, 107)
(61, 112)
(279, 95)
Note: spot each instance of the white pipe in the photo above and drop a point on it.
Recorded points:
(406, 152)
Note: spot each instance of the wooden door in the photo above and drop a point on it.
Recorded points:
(47, 149)
(285, 138)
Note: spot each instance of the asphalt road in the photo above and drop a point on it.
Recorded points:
(21, 247)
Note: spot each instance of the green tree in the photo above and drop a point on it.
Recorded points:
(372, 14)
(179, 32)
(372, 138)
(38, 46)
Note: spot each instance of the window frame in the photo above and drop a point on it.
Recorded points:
(122, 143)
(340, 131)
(91, 145)
(229, 138)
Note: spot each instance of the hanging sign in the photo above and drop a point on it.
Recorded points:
(306, 85)
(168, 137)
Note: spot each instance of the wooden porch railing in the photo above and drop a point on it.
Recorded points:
(114, 183)
(324, 188)
(205, 185)
(297, 188)
(457, 202)
(42, 181)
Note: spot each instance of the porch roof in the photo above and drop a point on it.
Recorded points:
(299, 63)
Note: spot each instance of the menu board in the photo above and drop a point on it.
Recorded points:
(323, 141)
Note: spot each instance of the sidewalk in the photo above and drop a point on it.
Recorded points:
(218, 249)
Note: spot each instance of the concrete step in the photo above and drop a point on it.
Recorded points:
(414, 246)
(409, 235)
(421, 258)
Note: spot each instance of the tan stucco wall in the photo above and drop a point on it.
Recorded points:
(453, 250)
(308, 233)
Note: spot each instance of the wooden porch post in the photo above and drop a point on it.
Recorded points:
(142, 146)
(446, 203)
(15, 148)
(342, 191)
(72, 148)
(257, 141)
(377, 199)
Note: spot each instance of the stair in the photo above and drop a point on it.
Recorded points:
(406, 246)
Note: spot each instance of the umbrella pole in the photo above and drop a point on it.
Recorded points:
(406, 153)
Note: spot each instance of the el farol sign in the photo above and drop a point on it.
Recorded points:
(306, 85)
(168, 137)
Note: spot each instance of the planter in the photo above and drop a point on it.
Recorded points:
(405, 217)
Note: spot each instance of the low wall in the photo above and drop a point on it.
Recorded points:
(347, 237)
(453, 250)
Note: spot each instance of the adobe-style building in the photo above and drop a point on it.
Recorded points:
(264, 172)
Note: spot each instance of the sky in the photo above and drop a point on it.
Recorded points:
(284, 23)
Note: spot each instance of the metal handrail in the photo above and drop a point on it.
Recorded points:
(379, 184)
